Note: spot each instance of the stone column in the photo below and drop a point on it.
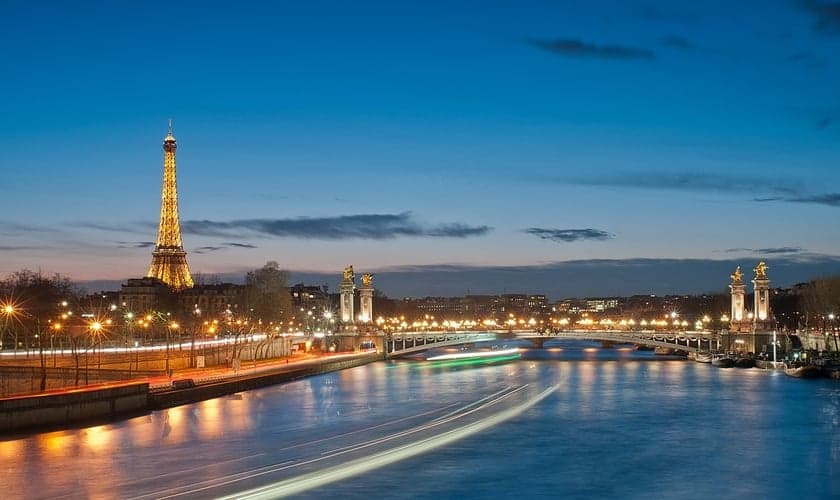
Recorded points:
(761, 287)
(366, 299)
(347, 287)
(738, 312)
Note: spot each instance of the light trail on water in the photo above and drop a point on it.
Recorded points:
(422, 445)
(367, 464)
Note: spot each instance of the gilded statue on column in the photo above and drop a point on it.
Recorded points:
(367, 279)
(761, 271)
(736, 276)
(348, 274)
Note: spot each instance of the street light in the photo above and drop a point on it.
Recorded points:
(171, 326)
(95, 328)
(56, 327)
(8, 310)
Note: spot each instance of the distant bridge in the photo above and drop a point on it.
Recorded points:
(402, 343)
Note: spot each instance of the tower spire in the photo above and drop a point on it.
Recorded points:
(169, 260)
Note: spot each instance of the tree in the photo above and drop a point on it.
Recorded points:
(34, 302)
(821, 298)
(265, 296)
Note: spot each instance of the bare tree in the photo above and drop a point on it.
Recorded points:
(821, 298)
(34, 301)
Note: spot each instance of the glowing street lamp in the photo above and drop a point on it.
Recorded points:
(9, 311)
(171, 326)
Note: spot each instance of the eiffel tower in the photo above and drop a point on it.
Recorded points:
(169, 260)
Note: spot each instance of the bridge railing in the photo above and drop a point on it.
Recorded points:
(407, 342)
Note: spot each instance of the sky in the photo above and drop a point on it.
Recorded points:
(566, 148)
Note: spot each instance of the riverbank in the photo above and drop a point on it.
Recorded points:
(104, 402)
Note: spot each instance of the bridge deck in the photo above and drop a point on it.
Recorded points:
(398, 344)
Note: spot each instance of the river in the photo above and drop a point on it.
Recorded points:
(570, 421)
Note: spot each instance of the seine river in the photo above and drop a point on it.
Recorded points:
(581, 422)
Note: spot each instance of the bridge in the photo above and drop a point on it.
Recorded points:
(403, 343)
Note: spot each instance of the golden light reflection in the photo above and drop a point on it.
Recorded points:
(11, 450)
(55, 444)
(210, 424)
(175, 424)
(97, 438)
(586, 374)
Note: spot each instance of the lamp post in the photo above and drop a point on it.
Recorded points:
(171, 326)
(8, 311)
(56, 327)
(328, 318)
(196, 325)
(95, 328)
(723, 320)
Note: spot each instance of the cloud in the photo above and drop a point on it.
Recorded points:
(135, 244)
(676, 42)
(830, 199)
(763, 190)
(826, 15)
(569, 235)
(576, 48)
(13, 248)
(686, 182)
(15, 228)
(222, 246)
(766, 251)
(365, 226)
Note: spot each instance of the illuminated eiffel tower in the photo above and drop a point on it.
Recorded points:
(169, 260)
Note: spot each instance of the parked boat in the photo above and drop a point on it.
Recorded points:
(723, 361)
(802, 371)
(703, 357)
(767, 364)
(829, 368)
(744, 363)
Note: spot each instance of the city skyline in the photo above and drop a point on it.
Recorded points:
(611, 148)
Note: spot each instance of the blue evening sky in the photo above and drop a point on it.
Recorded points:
(439, 135)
